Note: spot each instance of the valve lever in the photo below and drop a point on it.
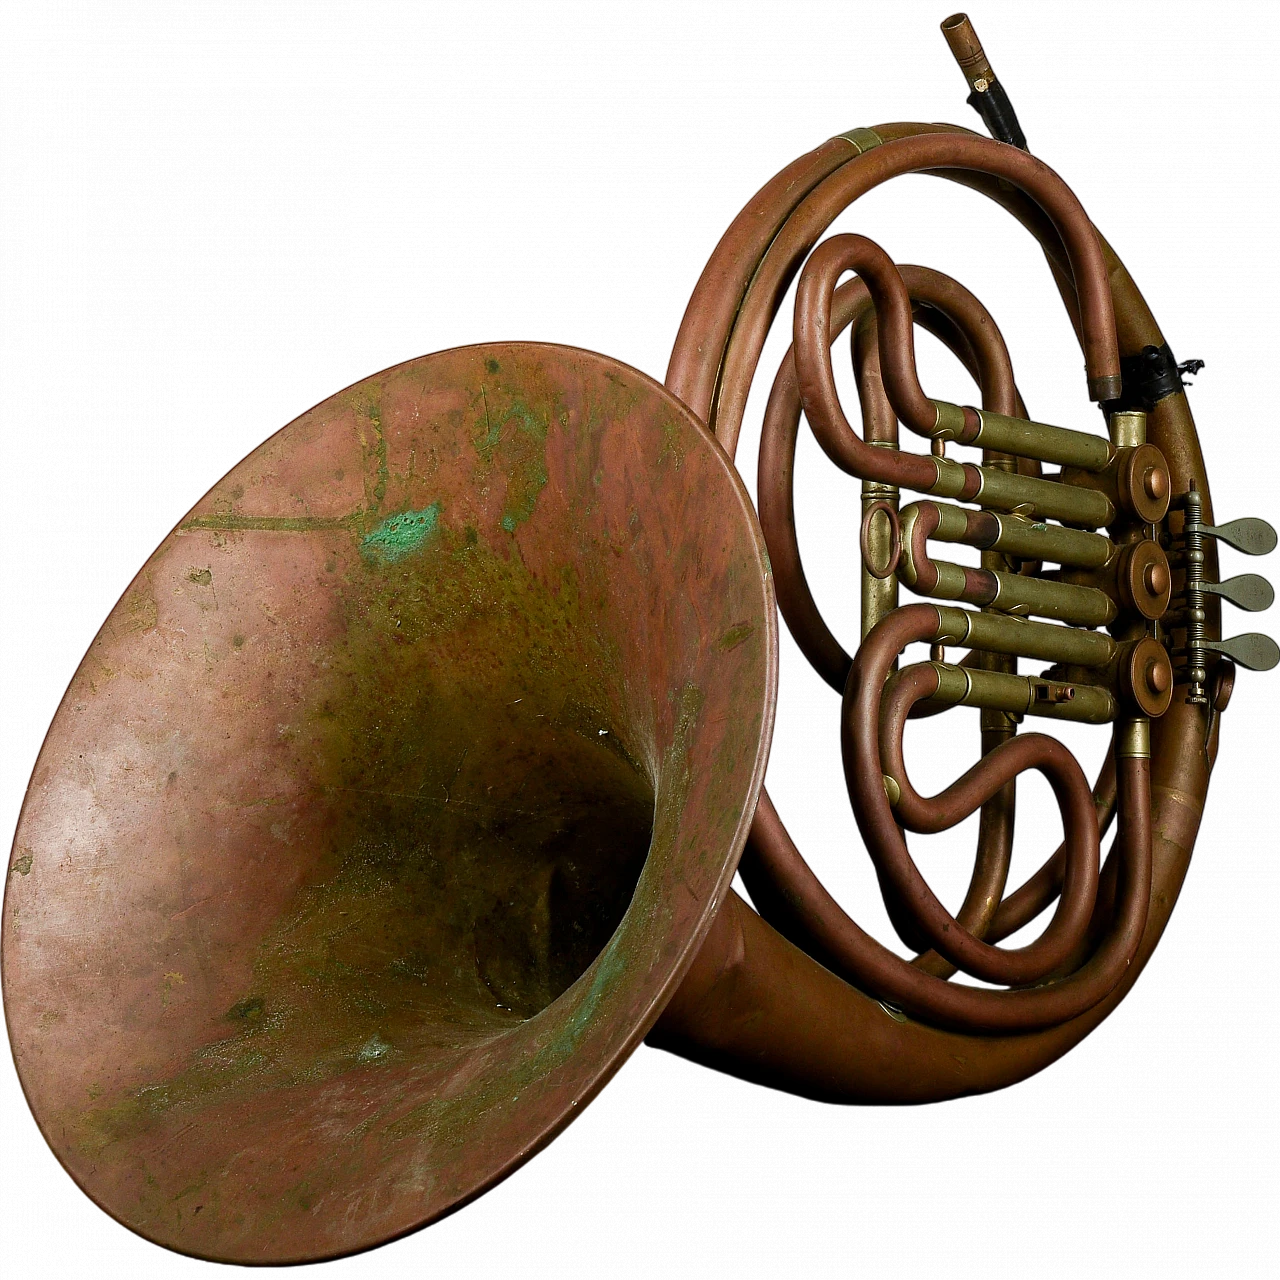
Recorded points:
(1252, 650)
(1248, 591)
(1252, 536)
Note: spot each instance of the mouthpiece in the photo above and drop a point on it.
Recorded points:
(987, 96)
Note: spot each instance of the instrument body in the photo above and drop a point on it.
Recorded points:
(1221, 479)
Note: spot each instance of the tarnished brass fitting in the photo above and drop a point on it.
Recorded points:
(1038, 641)
(1128, 428)
(1144, 579)
(1085, 506)
(1146, 677)
(1133, 739)
(1023, 695)
(1142, 483)
(963, 41)
(1051, 692)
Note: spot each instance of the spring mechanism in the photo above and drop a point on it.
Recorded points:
(1193, 559)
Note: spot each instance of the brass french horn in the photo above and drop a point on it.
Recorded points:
(400, 796)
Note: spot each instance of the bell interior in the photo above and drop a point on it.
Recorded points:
(387, 804)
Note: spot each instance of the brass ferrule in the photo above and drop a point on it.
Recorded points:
(949, 423)
(1022, 695)
(952, 478)
(862, 140)
(1128, 428)
(951, 580)
(1133, 738)
(1082, 606)
(1039, 641)
(1059, 445)
(953, 522)
(1049, 499)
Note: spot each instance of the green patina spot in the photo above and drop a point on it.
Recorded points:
(611, 965)
(511, 439)
(22, 865)
(734, 636)
(401, 534)
(373, 1049)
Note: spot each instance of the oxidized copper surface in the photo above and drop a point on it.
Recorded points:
(390, 803)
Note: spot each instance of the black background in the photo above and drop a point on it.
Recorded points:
(218, 233)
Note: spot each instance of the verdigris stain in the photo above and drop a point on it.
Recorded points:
(513, 443)
(401, 534)
(734, 636)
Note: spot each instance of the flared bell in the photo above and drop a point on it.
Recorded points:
(390, 804)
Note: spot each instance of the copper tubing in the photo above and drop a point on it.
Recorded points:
(956, 318)
(693, 372)
(963, 324)
(1040, 597)
(894, 317)
(776, 501)
(753, 1004)
(1040, 889)
(992, 857)
(794, 1024)
(997, 486)
(879, 422)
(864, 729)
(987, 359)
(761, 254)
(892, 302)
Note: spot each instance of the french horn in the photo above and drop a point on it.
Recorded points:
(401, 795)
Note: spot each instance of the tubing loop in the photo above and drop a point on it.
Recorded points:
(959, 320)
(867, 961)
(872, 741)
(1006, 1034)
